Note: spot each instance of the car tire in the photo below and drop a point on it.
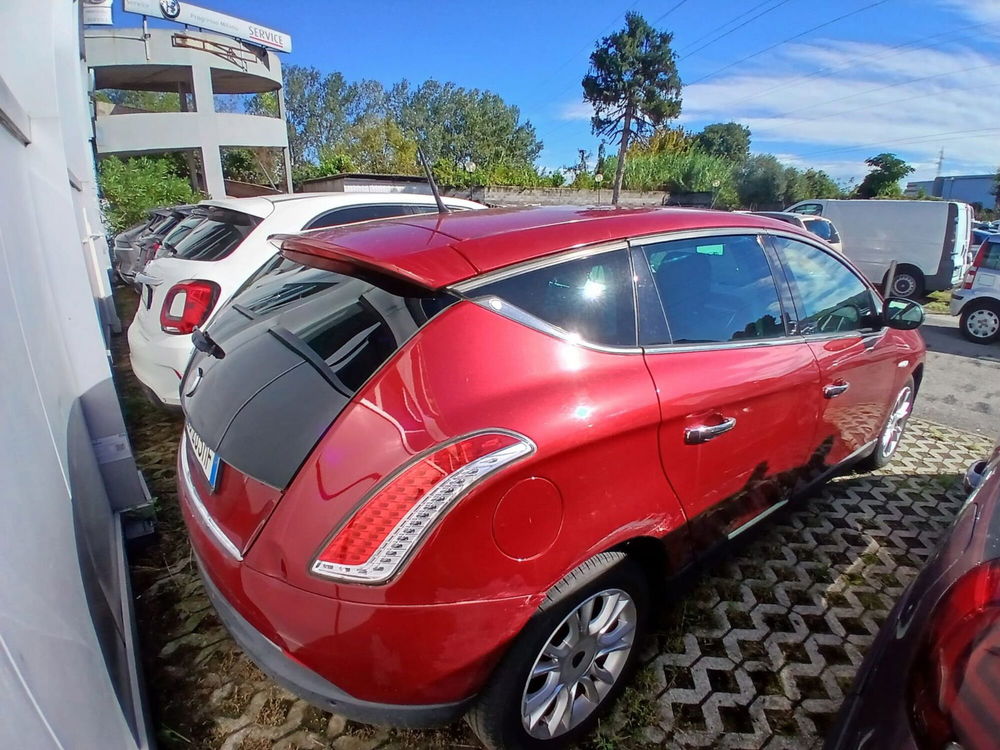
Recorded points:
(607, 581)
(908, 282)
(980, 321)
(892, 430)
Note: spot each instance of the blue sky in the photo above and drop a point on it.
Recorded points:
(909, 76)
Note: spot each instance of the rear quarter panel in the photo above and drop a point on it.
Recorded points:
(592, 414)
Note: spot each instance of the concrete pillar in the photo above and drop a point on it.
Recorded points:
(211, 156)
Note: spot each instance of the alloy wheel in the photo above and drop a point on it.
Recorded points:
(982, 323)
(579, 664)
(896, 423)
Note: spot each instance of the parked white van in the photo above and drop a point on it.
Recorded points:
(929, 240)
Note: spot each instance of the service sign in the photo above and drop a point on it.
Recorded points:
(97, 12)
(193, 15)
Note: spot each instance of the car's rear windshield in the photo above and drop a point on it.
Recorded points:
(215, 233)
(353, 326)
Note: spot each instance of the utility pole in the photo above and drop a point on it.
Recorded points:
(940, 162)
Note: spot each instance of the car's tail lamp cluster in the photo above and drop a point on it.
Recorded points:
(955, 683)
(970, 274)
(376, 541)
(187, 304)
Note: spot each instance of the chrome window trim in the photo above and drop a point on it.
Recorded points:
(561, 256)
(515, 313)
(203, 515)
(713, 345)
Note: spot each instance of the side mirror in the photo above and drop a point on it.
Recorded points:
(902, 314)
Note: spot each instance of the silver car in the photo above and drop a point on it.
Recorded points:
(977, 300)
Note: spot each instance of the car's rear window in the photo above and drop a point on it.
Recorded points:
(350, 324)
(991, 258)
(217, 233)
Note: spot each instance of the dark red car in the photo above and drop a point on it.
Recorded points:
(434, 465)
(931, 679)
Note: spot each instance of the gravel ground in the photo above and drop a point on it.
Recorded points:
(756, 652)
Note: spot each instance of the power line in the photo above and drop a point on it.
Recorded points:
(733, 20)
(915, 139)
(733, 30)
(786, 41)
(826, 72)
(679, 4)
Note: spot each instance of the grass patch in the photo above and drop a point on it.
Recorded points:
(937, 302)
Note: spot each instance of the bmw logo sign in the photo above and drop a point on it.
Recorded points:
(170, 8)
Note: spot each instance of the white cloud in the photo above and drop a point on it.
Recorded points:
(912, 101)
(576, 111)
(983, 11)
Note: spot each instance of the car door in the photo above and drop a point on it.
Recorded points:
(739, 397)
(838, 314)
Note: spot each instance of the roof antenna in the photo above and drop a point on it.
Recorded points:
(442, 209)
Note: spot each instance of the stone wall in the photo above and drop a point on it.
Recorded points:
(548, 196)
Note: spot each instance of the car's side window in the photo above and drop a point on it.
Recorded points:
(353, 214)
(829, 297)
(715, 289)
(591, 297)
(811, 209)
(820, 228)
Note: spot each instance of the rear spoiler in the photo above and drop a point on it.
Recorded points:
(317, 253)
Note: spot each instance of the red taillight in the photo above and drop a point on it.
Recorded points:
(376, 541)
(955, 682)
(187, 305)
(970, 274)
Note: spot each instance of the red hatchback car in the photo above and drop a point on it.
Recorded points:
(435, 465)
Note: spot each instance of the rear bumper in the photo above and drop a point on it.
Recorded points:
(314, 688)
(159, 364)
(404, 664)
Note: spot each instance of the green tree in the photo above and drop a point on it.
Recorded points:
(761, 182)
(883, 180)
(821, 185)
(146, 101)
(457, 124)
(796, 187)
(996, 189)
(729, 140)
(633, 86)
(133, 187)
(378, 145)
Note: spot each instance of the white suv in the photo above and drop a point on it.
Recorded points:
(978, 299)
(226, 242)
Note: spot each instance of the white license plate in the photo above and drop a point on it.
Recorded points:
(205, 456)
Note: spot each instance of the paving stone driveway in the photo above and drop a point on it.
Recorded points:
(756, 653)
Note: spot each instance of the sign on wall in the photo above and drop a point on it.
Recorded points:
(210, 20)
(97, 12)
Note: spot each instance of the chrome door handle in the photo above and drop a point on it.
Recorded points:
(835, 389)
(704, 433)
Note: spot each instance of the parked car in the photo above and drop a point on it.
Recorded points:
(133, 256)
(931, 679)
(977, 301)
(819, 226)
(214, 251)
(929, 240)
(436, 465)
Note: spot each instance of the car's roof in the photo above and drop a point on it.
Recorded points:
(438, 250)
(263, 205)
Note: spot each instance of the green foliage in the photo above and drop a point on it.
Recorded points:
(796, 187)
(147, 101)
(633, 85)
(820, 185)
(336, 126)
(729, 140)
(883, 180)
(687, 171)
(761, 182)
(133, 187)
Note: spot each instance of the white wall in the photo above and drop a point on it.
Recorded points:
(62, 627)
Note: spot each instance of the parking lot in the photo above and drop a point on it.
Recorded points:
(757, 652)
